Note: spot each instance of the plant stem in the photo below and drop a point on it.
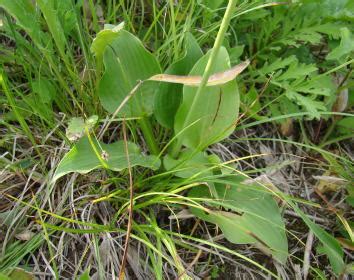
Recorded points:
(173, 28)
(328, 132)
(97, 153)
(208, 70)
(146, 128)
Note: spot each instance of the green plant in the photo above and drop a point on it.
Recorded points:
(292, 63)
(206, 114)
(180, 113)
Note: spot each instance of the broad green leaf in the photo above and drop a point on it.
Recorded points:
(191, 163)
(346, 45)
(254, 218)
(85, 276)
(83, 159)
(216, 111)
(126, 63)
(103, 39)
(20, 274)
(188, 164)
(345, 125)
(17, 274)
(169, 96)
(235, 53)
(4, 277)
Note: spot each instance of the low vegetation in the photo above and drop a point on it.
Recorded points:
(176, 139)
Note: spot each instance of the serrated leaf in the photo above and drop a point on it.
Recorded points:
(126, 63)
(299, 37)
(346, 45)
(169, 96)
(312, 106)
(254, 218)
(329, 28)
(296, 70)
(277, 64)
(83, 159)
(216, 109)
(317, 86)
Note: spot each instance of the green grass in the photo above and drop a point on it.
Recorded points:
(80, 222)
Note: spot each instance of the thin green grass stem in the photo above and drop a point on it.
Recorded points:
(147, 131)
(208, 70)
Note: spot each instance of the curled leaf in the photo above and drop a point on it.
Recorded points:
(194, 81)
(25, 235)
(104, 38)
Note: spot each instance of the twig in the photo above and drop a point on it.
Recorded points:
(125, 100)
(194, 261)
(125, 254)
(308, 247)
(263, 89)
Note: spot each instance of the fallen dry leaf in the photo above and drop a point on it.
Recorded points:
(287, 127)
(342, 98)
(25, 236)
(327, 183)
(194, 81)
